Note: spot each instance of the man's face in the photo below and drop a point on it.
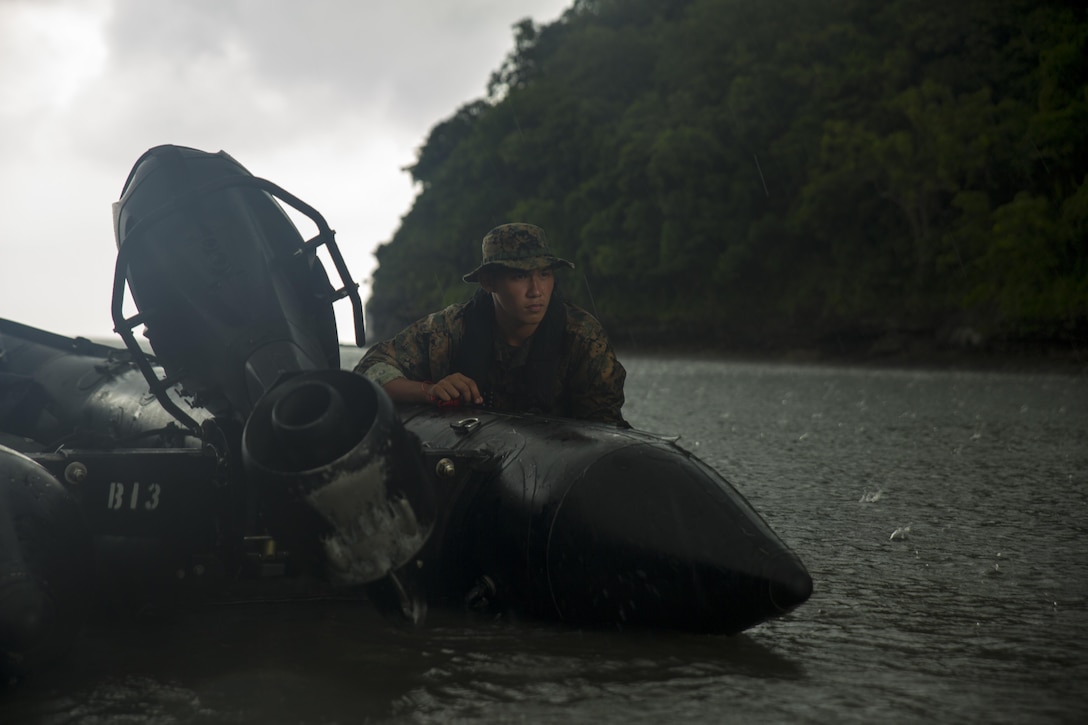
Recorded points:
(521, 298)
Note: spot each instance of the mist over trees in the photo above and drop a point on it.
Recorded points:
(778, 173)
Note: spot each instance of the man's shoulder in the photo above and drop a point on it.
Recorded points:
(582, 324)
(444, 319)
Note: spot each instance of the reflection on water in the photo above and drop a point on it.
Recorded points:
(976, 610)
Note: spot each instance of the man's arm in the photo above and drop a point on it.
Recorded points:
(403, 390)
(596, 377)
(404, 365)
(454, 386)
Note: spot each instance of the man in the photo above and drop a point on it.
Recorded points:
(515, 346)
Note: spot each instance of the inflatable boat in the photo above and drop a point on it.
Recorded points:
(236, 457)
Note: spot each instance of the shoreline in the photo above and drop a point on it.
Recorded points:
(1047, 359)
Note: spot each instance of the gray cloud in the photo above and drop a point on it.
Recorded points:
(329, 98)
(415, 58)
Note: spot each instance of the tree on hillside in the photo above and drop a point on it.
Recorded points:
(774, 172)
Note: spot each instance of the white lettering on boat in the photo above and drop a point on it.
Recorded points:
(148, 496)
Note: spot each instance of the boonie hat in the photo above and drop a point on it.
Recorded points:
(518, 246)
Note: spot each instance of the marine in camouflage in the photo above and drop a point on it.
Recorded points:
(590, 380)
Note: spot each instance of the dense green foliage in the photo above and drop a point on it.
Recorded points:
(779, 171)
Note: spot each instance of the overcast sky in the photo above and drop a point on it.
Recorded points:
(329, 99)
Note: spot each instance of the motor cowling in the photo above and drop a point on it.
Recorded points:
(229, 294)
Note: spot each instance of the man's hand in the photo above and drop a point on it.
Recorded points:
(456, 387)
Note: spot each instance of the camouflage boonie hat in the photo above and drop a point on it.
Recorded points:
(517, 246)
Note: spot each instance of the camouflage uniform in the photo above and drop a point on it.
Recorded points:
(590, 384)
(590, 379)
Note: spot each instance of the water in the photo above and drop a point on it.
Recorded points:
(942, 516)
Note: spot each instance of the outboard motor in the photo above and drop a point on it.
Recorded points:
(332, 440)
(238, 310)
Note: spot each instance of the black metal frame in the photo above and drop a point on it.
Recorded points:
(122, 326)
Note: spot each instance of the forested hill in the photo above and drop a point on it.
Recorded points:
(776, 173)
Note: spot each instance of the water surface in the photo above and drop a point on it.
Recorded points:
(942, 516)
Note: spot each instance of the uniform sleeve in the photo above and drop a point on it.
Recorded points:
(597, 377)
(418, 352)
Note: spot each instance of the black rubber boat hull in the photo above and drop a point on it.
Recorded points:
(595, 525)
